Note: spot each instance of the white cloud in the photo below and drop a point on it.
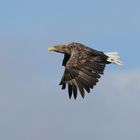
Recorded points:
(122, 82)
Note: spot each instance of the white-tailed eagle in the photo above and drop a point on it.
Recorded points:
(83, 66)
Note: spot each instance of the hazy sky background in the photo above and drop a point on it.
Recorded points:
(32, 106)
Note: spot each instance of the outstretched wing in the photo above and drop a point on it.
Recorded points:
(82, 73)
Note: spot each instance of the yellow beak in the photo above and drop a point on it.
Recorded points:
(51, 49)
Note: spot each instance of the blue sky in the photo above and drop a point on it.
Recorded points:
(32, 106)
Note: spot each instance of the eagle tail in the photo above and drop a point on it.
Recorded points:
(114, 57)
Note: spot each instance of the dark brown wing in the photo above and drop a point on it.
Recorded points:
(66, 58)
(82, 72)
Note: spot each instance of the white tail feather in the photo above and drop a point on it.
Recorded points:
(114, 57)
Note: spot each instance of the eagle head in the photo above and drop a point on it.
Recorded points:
(64, 48)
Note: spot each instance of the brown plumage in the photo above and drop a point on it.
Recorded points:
(83, 66)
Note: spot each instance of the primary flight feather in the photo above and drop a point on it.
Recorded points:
(83, 66)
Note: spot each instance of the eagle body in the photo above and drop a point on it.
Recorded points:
(83, 66)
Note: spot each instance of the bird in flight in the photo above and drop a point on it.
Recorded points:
(83, 66)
